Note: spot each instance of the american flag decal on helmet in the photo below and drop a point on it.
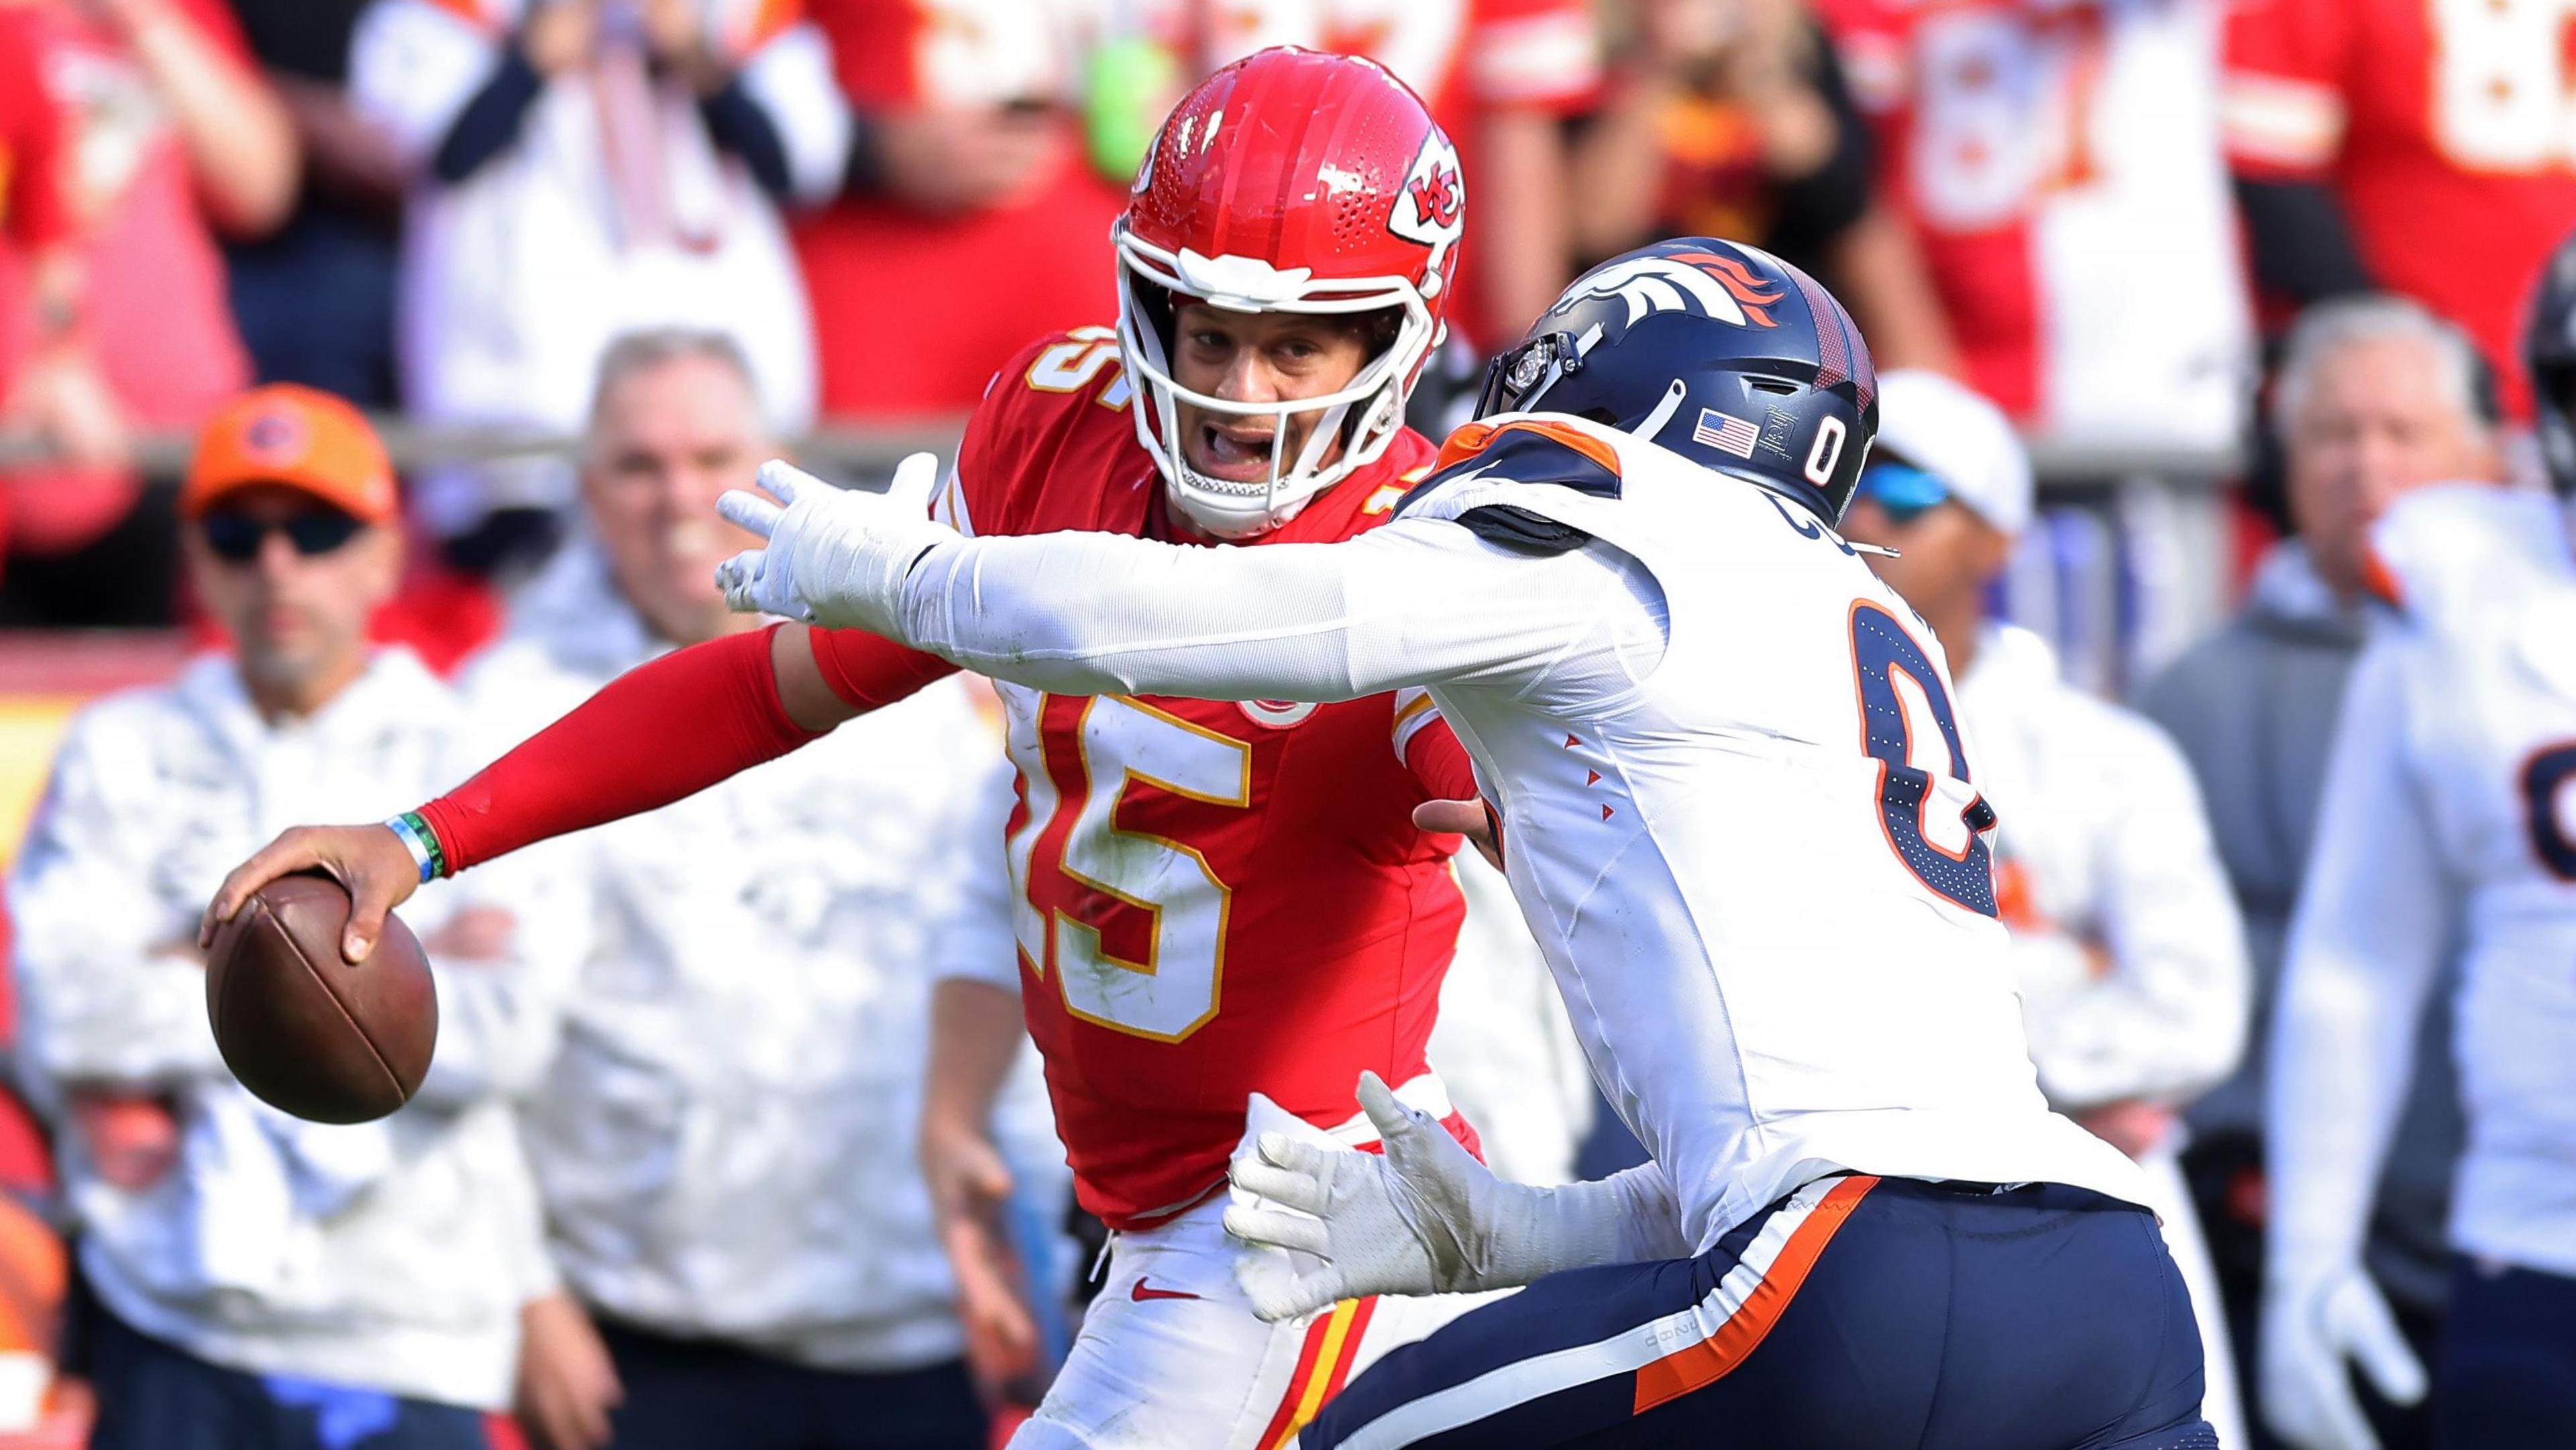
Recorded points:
(1725, 430)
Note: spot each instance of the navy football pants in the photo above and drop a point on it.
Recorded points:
(1854, 1314)
(2507, 1375)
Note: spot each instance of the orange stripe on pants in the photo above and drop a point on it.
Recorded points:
(1713, 1358)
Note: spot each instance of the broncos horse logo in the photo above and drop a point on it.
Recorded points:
(1720, 287)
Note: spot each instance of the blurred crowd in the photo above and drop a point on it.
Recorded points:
(650, 1198)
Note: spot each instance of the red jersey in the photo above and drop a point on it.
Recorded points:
(2441, 125)
(1211, 899)
(962, 290)
(2059, 160)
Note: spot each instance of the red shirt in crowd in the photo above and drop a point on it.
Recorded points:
(2442, 128)
(1466, 58)
(2059, 161)
(912, 311)
(156, 310)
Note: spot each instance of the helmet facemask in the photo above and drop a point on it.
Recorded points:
(1363, 416)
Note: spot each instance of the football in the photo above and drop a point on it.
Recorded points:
(303, 1029)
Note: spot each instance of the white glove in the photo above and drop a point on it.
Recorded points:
(836, 557)
(1404, 1222)
(2312, 1323)
(1424, 1217)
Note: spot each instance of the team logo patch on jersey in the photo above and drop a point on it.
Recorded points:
(1432, 208)
(1276, 714)
(1701, 282)
(1725, 431)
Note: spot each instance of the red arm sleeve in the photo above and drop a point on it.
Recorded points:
(661, 732)
(1438, 761)
(869, 671)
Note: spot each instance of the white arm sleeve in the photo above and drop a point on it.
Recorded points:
(2168, 1022)
(2374, 917)
(1630, 1217)
(1420, 601)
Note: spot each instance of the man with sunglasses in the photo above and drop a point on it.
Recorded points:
(2126, 944)
(256, 1281)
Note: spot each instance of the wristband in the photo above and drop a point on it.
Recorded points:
(422, 842)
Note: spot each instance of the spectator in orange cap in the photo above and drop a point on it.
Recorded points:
(290, 507)
(264, 1283)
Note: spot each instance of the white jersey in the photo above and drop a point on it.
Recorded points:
(1734, 801)
(2450, 816)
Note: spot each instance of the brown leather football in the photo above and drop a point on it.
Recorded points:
(303, 1029)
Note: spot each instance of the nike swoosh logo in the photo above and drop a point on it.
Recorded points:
(1143, 1292)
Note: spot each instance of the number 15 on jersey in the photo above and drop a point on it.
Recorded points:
(1130, 924)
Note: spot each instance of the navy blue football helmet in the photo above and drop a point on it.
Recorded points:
(1718, 351)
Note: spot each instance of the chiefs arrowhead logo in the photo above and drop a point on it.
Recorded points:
(1432, 207)
(1438, 197)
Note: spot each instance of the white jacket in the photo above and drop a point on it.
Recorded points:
(726, 1141)
(388, 1255)
(2102, 836)
(515, 278)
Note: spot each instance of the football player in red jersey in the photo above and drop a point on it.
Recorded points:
(1211, 900)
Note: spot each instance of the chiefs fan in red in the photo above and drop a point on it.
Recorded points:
(2441, 129)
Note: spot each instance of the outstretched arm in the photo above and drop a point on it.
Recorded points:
(659, 733)
(1416, 602)
(1420, 601)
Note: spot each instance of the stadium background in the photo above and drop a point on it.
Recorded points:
(2098, 151)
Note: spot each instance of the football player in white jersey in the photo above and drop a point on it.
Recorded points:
(1721, 763)
(2127, 947)
(2449, 817)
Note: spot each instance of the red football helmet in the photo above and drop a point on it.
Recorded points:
(1290, 181)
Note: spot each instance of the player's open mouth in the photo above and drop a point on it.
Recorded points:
(1238, 455)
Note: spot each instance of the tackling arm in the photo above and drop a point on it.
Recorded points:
(1417, 602)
